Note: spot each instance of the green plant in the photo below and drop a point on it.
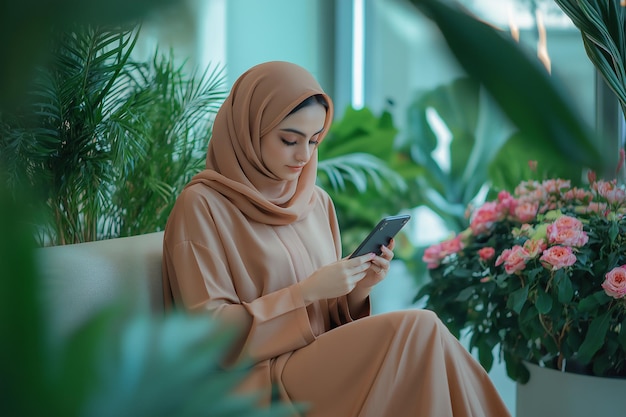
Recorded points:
(602, 25)
(108, 142)
(531, 99)
(121, 362)
(177, 118)
(539, 275)
(364, 172)
(484, 148)
(537, 106)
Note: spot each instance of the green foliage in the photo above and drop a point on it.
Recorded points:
(537, 274)
(533, 101)
(108, 142)
(365, 174)
(602, 25)
(477, 131)
(121, 362)
(177, 118)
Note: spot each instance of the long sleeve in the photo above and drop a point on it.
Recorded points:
(204, 284)
(218, 261)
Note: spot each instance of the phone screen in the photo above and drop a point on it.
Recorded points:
(381, 235)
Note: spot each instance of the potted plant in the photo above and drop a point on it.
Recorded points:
(535, 104)
(107, 141)
(539, 274)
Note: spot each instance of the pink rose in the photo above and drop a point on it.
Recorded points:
(526, 211)
(615, 282)
(568, 237)
(514, 259)
(593, 207)
(506, 202)
(484, 218)
(486, 253)
(567, 231)
(451, 246)
(557, 257)
(534, 247)
(503, 257)
(555, 185)
(568, 222)
(610, 191)
(578, 194)
(432, 256)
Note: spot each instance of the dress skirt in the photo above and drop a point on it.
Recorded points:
(399, 364)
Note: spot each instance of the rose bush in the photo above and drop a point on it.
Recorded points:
(538, 275)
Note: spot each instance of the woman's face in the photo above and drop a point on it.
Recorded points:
(287, 148)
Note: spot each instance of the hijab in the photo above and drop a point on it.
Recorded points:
(258, 101)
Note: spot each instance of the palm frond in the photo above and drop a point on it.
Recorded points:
(360, 169)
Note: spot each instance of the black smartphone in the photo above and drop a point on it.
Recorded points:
(381, 235)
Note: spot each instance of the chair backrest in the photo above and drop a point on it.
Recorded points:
(80, 279)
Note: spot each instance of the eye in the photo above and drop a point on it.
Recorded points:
(314, 139)
(288, 142)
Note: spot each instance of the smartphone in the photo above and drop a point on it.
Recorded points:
(381, 235)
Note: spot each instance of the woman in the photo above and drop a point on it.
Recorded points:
(254, 241)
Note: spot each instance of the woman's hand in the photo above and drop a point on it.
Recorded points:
(380, 266)
(376, 273)
(337, 279)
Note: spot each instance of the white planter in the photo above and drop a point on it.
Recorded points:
(551, 393)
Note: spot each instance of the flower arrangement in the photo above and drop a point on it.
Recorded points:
(540, 276)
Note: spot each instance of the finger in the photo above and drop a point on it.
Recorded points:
(363, 259)
(381, 262)
(355, 268)
(387, 252)
(357, 277)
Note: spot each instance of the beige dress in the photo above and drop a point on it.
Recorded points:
(341, 363)
(238, 241)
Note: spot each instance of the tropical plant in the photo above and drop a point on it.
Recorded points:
(532, 100)
(602, 25)
(121, 362)
(105, 140)
(177, 119)
(484, 148)
(523, 89)
(539, 275)
(365, 173)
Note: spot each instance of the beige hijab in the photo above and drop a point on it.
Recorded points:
(259, 100)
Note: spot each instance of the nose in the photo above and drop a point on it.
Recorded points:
(303, 153)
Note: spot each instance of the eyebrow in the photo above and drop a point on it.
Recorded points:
(297, 132)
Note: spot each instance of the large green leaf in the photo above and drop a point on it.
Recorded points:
(603, 28)
(595, 337)
(533, 100)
